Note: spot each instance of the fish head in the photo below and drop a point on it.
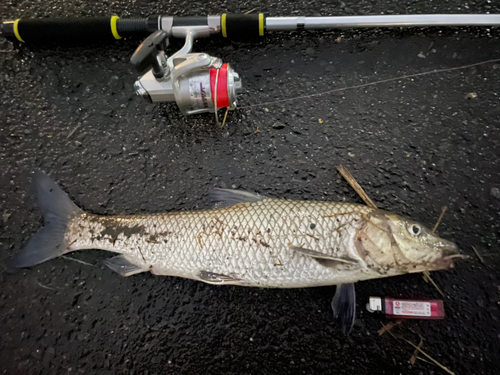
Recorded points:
(404, 245)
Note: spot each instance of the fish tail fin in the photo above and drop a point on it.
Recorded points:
(50, 241)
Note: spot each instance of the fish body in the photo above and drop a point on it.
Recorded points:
(247, 240)
(251, 244)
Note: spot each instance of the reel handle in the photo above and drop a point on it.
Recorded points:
(148, 56)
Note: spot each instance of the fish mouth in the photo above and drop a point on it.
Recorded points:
(446, 262)
(449, 252)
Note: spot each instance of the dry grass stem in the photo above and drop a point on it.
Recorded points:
(76, 260)
(357, 188)
(427, 278)
(425, 354)
(225, 117)
(478, 255)
(389, 326)
(426, 274)
(414, 357)
(443, 210)
(44, 286)
(430, 358)
(73, 131)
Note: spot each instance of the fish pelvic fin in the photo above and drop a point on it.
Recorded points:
(325, 259)
(50, 241)
(344, 307)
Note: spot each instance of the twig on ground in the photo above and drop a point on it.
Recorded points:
(45, 286)
(225, 117)
(389, 326)
(429, 357)
(414, 357)
(443, 210)
(425, 360)
(426, 274)
(352, 181)
(478, 255)
(77, 260)
(73, 131)
(425, 354)
(427, 278)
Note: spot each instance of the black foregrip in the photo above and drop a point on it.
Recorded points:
(137, 26)
(242, 26)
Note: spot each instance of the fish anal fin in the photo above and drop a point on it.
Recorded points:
(217, 278)
(123, 266)
(323, 259)
(344, 307)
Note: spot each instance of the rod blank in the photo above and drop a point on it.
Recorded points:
(410, 20)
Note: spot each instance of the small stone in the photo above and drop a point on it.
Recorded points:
(495, 192)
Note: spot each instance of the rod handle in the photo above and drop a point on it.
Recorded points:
(77, 30)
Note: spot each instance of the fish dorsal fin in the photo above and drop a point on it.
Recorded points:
(222, 198)
(321, 256)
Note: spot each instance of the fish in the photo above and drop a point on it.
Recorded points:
(245, 239)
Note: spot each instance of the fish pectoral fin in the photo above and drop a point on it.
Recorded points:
(321, 256)
(222, 198)
(120, 264)
(344, 307)
(217, 278)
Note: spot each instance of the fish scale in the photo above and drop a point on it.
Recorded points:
(249, 242)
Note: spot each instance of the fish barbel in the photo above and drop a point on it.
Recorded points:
(247, 240)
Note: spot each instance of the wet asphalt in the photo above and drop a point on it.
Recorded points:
(415, 144)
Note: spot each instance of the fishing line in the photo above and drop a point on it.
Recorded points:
(436, 71)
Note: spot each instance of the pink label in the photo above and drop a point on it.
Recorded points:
(411, 308)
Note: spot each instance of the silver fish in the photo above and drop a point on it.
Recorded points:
(248, 240)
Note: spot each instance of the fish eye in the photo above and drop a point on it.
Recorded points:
(414, 229)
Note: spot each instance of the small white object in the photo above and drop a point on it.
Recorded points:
(375, 304)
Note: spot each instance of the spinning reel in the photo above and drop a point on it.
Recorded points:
(197, 82)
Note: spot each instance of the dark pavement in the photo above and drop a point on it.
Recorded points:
(414, 144)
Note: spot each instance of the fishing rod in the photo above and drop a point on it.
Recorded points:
(198, 82)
